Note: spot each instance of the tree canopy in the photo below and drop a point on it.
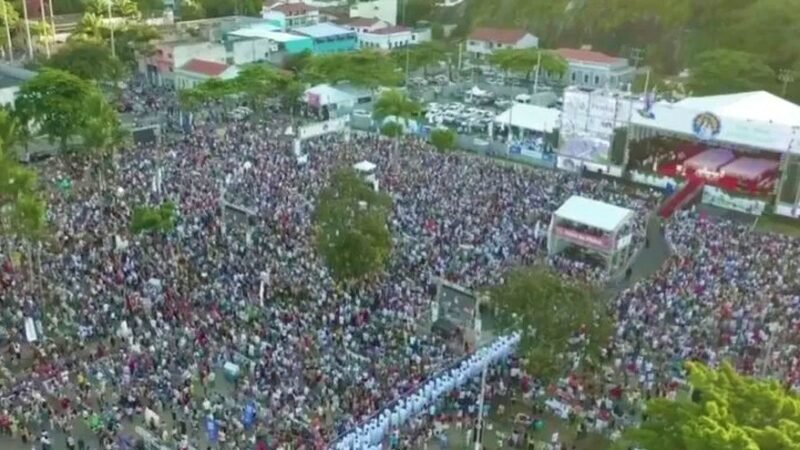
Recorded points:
(724, 71)
(524, 61)
(670, 34)
(443, 139)
(366, 68)
(54, 100)
(87, 59)
(556, 318)
(154, 219)
(726, 411)
(352, 226)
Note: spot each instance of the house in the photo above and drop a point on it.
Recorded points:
(160, 66)
(282, 44)
(291, 15)
(196, 71)
(591, 69)
(482, 42)
(387, 38)
(329, 38)
(392, 37)
(385, 10)
(364, 25)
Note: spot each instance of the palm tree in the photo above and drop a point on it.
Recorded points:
(396, 105)
(102, 133)
(27, 28)
(90, 27)
(10, 19)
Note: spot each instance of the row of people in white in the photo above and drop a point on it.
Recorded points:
(369, 435)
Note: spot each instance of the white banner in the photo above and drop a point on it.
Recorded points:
(30, 330)
(336, 125)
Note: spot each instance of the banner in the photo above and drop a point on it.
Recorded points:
(587, 240)
(30, 330)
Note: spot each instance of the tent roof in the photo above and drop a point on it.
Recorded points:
(757, 106)
(530, 117)
(596, 214)
(364, 166)
(329, 95)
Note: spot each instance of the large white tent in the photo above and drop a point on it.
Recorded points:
(529, 117)
(594, 213)
(757, 106)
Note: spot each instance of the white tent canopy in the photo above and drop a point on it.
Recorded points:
(593, 213)
(328, 95)
(756, 106)
(529, 117)
(364, 166)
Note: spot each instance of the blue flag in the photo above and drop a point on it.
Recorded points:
(212, 427)
(249, 415)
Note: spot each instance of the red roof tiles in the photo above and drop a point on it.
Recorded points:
(499, 35)
(589, 56)
(293, 9)
(390, 30)
(203, 67)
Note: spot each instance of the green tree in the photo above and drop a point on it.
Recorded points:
(191, 10)
(297, 62)
(132, 40)
(87, 59)
(766, 24)
(555, 317)
(396, 105)
(443, 139)
(727, 411)
(119, 8)
(22, 210)
(54, 100)
(91, 26)
(154, 219)
(728, 71)
(150, 8)
(524, 61)
(257, 83)
(102, 131)
(422, 56)
(365, 68)
(392, 130)
(352, 227)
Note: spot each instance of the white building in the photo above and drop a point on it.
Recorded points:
(291, 15)
(248, 51)
(197, 71)
(11, 78)
(387, 38)
(484, 41)
(592, 69)
(364, 25)
(385, 10)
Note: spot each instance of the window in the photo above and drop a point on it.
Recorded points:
(596, 80)
(574, 77)
(586, 78)
(413, 37)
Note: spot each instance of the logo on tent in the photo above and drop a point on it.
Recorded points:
(706, 125)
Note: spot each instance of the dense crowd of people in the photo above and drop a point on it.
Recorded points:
(128, 324)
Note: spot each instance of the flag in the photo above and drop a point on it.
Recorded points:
(212, 427)
(249, 416)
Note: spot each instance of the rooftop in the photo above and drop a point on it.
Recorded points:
(589, 56)
(322, 30)
(501, 35)
(266, 33)
(293, 9)
(758, 106)
(391, 30)
(594, 213)
(203, 67)
(361, 22)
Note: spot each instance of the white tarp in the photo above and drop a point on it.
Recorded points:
(758, 106)
(593, 213)
(529, 117)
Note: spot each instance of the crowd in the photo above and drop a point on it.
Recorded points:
(127, 324)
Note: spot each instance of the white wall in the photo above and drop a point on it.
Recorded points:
(385, 41)
(385, 10)
(208, 51)
(252, 50)
(8, 94)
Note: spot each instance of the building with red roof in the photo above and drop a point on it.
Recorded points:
(592, 69)
(196, 71)
(482, 42)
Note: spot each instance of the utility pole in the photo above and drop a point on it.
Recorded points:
(785, 76)
(408, 56)
(637, 55)
(111, 27)
(44, 28)
(478, 327)
(8, 32)
(27, 28)
(536, 75)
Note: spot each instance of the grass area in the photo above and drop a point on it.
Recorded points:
(779, 224)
